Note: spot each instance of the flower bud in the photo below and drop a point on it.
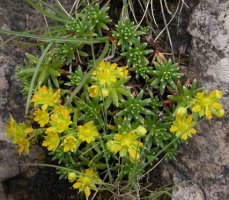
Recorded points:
(220, 113)
(72, 177)
(181, 111)
(140, 130)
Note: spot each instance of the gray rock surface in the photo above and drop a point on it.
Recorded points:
(14, 15)
(205, 160)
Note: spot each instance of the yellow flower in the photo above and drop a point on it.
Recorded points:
(41, 117)
(123, 72)
(107, 73)
(23, 145)
(70, 143)
(126, 142)
(88, 132)
(207, 104)
(183, 127)
(19, 132)
(105, 76)
(46, 97)
(60, 120)
(87, 181)
(52, 141)
(95, 91)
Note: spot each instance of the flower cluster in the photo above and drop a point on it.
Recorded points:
(127, 143)
(183, 127)
(87, 181)
(60, 120)
(70, 143)
(45, 97)
(207, 104)
(53, 117)
(106, 76)
(203, 104)
(19, 133)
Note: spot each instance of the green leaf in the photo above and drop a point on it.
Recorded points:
(55, 39)
(155, 82)
(88, 75)
(35, 76)
(157, 66)
(114, 97)
(162, 88)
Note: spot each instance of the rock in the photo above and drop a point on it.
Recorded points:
(187, 190)
(205, 160)
(14, 174)
(11, 100)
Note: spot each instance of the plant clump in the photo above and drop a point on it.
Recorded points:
(102, 109)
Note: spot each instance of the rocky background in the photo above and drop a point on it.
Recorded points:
(14, 15)
(201, 170)
(205, 160)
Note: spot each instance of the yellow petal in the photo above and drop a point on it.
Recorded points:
(134, 155)
(102, 64)
(116, 148)
(184, 136)
(113, 65)
(50, 130)
(77, 185)
(173, 128)
(178, 117)
(94, 91)
(189, 119)
(196, 108)
(23, 145)
(28, 130)
(193, 131)
(200, 95)
(87, 191)
(216, 93)
(118, 137)
(217, 105)
(44, 143)
(44, 107)
(208, 114)
(132, 152)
